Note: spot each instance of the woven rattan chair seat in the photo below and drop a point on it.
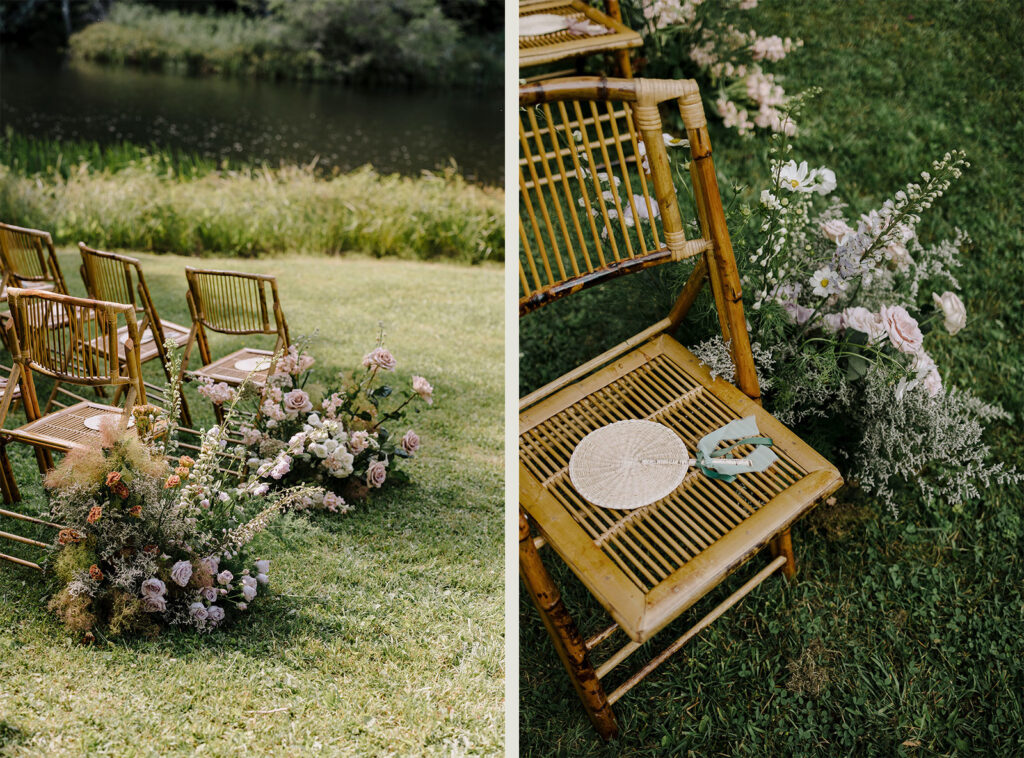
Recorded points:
(223, 369)
(560, 45)
(64, 429)
(148, 350)
(648, 565)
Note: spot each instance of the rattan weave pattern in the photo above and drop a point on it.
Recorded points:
(223, 369)
(67, 425)
(649, 544)
(548, 48)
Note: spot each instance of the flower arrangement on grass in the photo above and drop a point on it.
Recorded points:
(340, 436)
(843, 313)
(148, 542)
(706, 41)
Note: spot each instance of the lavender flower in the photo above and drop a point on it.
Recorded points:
(181, 573)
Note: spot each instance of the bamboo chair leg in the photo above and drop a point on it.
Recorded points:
(625, 66)
(7, 480)
(783, 545)
(564, 635)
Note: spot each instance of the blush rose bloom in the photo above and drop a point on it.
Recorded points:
(358, 441)
(297, 401)
(209, 593)
(225, 577)
(376, 473)
(380, 358)
(153, 587)
(198, 611)
(902, 328)
(181, 572)
(154, 604)
(836, 229)
(410, 442)
(953, 311)
(865, 321)
(422, 388)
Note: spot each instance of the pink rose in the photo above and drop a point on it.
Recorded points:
(865, 321)
(273, 411)
(902, 328)
(282, 467)
(297, 401)
(376, 473)
(422, 388)
(154, 604)
(410, 442)
(380, 358)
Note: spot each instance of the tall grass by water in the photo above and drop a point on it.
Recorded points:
(128, 197)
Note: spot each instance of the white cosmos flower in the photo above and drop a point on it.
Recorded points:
(826, 282)
(769, 200)
(671, 141)
(826, 180)
(796, 178)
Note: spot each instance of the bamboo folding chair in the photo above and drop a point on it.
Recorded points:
(29, 260)
(52, 347)
(119, 279)
(566, 44)
(232, 302)
(590, 212)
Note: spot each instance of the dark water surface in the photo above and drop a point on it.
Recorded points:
(402, 131)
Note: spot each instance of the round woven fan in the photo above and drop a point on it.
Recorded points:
(628, 464)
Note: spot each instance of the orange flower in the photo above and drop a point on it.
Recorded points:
(135, 511)
(94, 514)
(95, 573)
(172, 481)
(69, 536)
(113, 478)
(182, 471)
(121, 490)
(185, 460)
(151, 549)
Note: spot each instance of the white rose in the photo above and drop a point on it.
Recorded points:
(953, 310)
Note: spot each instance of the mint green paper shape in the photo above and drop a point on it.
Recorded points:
(716, 465)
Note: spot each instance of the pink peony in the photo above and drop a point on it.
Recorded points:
(865, 321)
(902, 328)
(381, 358)
(410, 442)
(422, 388)
(376, 473)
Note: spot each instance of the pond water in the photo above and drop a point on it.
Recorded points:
(403, 131)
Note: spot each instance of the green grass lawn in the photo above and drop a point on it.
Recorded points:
(901, 636)
(383, 631)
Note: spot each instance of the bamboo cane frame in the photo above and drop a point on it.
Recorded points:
(57, 352)
(113, 277)
(232, 302)
(717, 267)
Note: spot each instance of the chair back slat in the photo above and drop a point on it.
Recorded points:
(28, 258)
(58, 336)
(232, 302)
(596, 193)
(110, 276)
